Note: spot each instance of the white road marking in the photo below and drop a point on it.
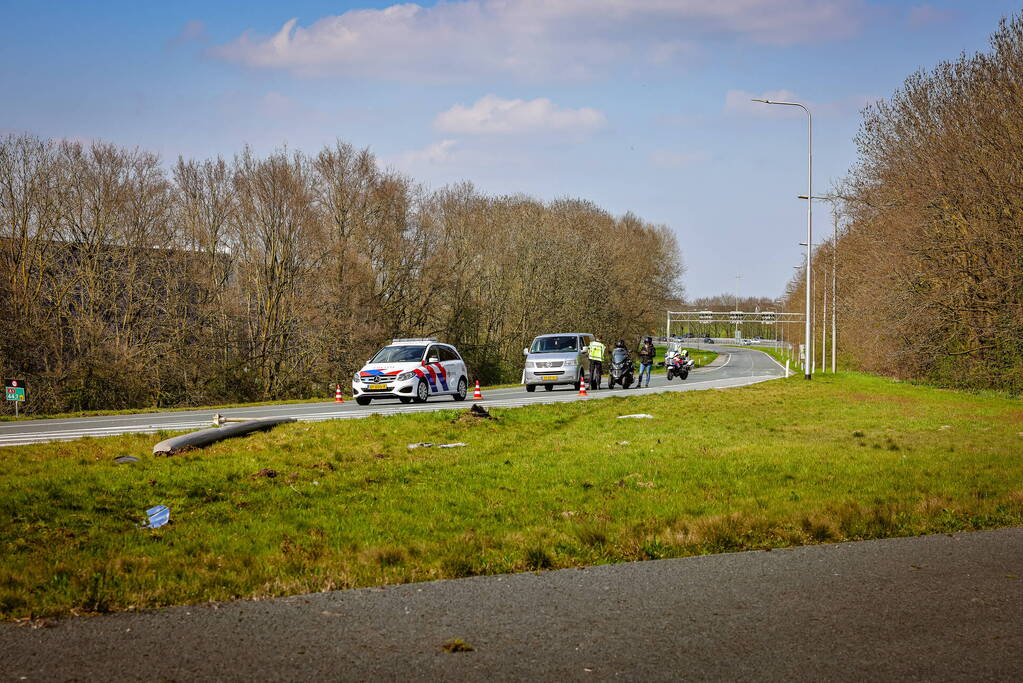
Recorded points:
(776, 361)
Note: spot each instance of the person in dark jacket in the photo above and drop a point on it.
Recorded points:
(646, 361)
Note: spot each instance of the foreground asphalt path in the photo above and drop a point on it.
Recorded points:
(947, 607)
(738, 368)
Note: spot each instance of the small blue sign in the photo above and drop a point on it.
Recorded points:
(157, 516)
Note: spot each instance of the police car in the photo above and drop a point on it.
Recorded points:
(412, 370)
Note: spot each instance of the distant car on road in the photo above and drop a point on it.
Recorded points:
(747, 342)
(412, 370)
(708, 340)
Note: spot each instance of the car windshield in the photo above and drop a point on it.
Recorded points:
(553, 344)
(399, 354)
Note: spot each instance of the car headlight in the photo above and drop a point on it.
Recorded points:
(357, 378)
(570, 363)
(406, 376)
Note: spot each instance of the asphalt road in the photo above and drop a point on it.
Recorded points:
(738, 368)
(946, 607)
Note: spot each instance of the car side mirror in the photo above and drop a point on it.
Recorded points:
(525, 351)
(433, 359)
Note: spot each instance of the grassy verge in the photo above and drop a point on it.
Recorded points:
(312, 507)
(701, 356)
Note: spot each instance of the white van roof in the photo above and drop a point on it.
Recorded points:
(564, 334)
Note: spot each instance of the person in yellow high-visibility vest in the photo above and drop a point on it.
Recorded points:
(597, 351)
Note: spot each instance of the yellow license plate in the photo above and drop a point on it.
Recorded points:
(377, 387)
(549, 378)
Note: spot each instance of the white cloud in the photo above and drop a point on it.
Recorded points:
(531, 39)
(437, 153)
(491, 115)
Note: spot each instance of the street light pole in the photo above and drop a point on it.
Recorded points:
(809, 220)
(834, 286)
(834, 299)
(737, 278)
(824, 325)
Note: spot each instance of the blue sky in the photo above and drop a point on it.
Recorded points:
(637, 105)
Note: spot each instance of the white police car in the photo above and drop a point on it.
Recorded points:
(412, 370)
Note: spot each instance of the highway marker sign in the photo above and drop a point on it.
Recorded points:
(15, 390)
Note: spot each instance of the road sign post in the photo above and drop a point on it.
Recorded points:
(15, 390)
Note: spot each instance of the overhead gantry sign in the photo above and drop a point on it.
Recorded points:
(736, 317)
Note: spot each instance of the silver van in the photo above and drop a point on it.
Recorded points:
(554, 359)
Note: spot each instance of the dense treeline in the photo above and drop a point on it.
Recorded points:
(930, 258)
(124, 283)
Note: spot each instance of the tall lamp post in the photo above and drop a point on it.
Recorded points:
(834, 285)
(809, 220)
(737, 278)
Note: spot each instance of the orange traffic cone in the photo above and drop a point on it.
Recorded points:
(476, 395)
(582, 386)
(338, 398)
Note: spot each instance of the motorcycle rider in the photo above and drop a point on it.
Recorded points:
(597, 350)
(626, 356)
(646, 361)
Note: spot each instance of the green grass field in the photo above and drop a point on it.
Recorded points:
(700, 356)
(310, 507)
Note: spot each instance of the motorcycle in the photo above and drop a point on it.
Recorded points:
(621, 370)
(678, 366)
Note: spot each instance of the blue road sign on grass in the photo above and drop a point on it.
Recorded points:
(157, 516)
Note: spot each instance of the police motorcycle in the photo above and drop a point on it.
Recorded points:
(622, 369)
(677, 362)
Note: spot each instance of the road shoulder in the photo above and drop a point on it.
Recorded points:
(933, 607)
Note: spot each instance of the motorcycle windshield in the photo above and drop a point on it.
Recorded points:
(619, 355)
